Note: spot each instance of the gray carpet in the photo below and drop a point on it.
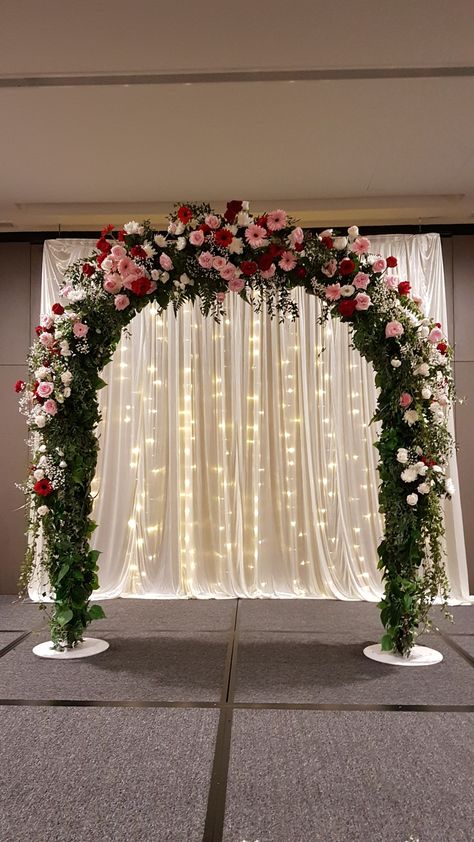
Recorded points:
(169, 614)
(163, 666)
(466, 641)
(463, 616)
(309, 615)
(102, 775)
(6, 638)
(301, 776)
(19, 614)
(330, 668)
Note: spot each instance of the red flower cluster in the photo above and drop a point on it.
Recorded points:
(347, 307)
(43, 487)
(233, 208)
(103, 245)
(185, 214)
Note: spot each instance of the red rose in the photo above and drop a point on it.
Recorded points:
(274, 250)
(141, 286)
(204, 228)
(442, 347)
(265, 261)
(103, 245)
(262, 220)
(57, 309)
(248, 267)
(437, 324)
(138, 251)
(19, 385)
(88, 269)
(223, 237)
(43, 487)
(298, 246)
(404, 287)
(121, 235)
(392, 262)
(301, 272)
(100, 259)
(233, 208)
(346, 266)
(347, 307)
(185, 214)
(39, 330)
(328, 242)
(106, 230)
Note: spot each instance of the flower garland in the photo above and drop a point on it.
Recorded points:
(208, 256)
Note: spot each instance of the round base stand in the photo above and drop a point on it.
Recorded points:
(89, 646)
(420, 656)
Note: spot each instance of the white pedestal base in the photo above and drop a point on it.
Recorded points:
(420, 656)
(89, 646)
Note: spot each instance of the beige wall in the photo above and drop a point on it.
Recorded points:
(20, 279)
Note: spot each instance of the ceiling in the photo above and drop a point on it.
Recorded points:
(361, 113)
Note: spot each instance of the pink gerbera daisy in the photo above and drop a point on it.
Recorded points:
(287, 261)
(333, 292)
(276, 220)
(255, 236)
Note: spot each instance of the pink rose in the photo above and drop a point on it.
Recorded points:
(165, 262)
(236, 285)
(268, 273)
(435, 335)
(118, 252)
(417, 300)
(227, 272)
(379, 265)
(405, 399)
(218, 263)
(393, 330)
(333, 292)
(220, 297)
(205, 260)
(391, 281)
(44, 389)
(112, 283)
(50, 407)
(47, 322)
(196, 238)
(121, 302)
(80, 330)
(361, 245)
(329, 269)
(361, 280)
(296, 236)
(212, 220)
(363, 301)
(46, 339)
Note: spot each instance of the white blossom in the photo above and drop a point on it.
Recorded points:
(424, 488)
(340, 243)
(409, 474)
(423, 369)
(181, 243)
(66, 377)
(449, 486)
(40, 421)
(402, 455)
(347, 290)
(395, 363)
(412, 499)
(133, 227)
(410, 416)
(38, 474)
(236, 246)
(353, 232)
(42, 510)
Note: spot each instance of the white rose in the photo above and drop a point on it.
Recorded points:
(155, 274)
(181, 243)
(43, 373)
(243, 219)
(160, 240)
(179, 229)
(347, 290)
(328, 232)
(402, 455)
(40, 421)
(42, 510)
(353, 232)
(245, 206)
(449, 486)
(437, 469)
(38, 474)
(412, 499)
(107, 264)
(423, 331)
(42, 448)
(67, 392)
(63, 464)
(421, 468)
(184, 280)
(340, 243)
(424, 488)
(423, 369)
(164, 277)
(409, 475)
(410, 416)
(66, 377)
(426, 393)
(395, 363)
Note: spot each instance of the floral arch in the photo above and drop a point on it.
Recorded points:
(207, 256)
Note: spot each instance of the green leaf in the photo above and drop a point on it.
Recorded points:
(64, 616)
(386, 643)
(64, 569)
(96, 612)
(94, 556)
(100, 384)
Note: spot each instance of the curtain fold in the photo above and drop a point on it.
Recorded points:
(237, 458)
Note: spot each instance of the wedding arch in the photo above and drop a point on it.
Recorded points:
(207, 256)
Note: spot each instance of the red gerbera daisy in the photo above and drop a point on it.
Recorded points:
(223, 237)
(43, 487)
(185, 214)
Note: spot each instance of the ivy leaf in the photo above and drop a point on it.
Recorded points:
(64, 616)
(94, 556)
(62, 572)
(96, 612)
(100, 384)
(386, 643)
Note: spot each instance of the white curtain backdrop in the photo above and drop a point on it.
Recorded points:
(236, 459)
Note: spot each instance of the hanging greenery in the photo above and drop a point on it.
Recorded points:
(206, 256)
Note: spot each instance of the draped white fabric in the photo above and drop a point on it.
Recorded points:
(237, 459)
